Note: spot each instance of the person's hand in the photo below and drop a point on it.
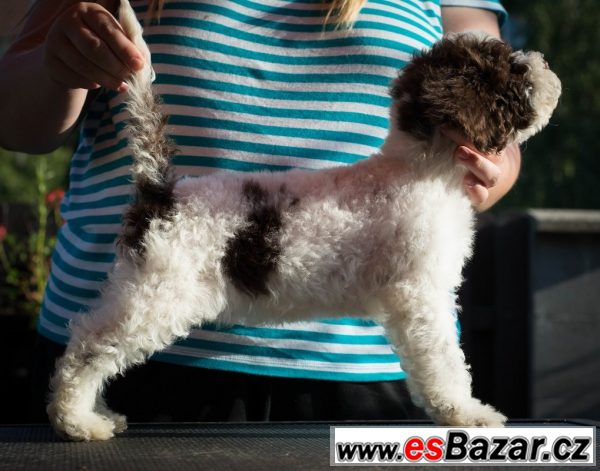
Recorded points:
(489, 176)
(86, 48)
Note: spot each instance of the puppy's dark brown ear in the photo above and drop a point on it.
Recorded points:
(468, 83)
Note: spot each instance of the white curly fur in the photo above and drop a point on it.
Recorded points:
(384, 239)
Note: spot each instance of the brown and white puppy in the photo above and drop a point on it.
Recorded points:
(385, 238)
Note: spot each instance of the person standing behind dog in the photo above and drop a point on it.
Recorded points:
(248, 85)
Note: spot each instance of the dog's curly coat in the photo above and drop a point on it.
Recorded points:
(385, 238)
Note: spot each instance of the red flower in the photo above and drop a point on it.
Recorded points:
(3, 232)
(54, 197)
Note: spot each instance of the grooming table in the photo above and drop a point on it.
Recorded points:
(211, 447)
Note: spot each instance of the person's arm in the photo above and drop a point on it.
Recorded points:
(490, 176)
(64, 50)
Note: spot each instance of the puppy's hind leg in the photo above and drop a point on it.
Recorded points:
(140, 312)
(423, 328)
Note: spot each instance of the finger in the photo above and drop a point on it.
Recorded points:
(476, 191)
(482, 166)
(87, 54)
(107, 28)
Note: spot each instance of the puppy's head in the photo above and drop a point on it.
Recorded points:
(478, 86)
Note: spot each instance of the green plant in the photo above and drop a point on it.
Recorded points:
(25, 261)
(18, 173)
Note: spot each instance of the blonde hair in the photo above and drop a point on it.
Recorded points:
(342, 13)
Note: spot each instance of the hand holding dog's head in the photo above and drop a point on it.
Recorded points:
(478, 86)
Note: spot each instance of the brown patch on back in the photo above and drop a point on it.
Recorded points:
(471, 85)
(252, 254)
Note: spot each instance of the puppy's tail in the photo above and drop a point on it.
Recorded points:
(151, 147)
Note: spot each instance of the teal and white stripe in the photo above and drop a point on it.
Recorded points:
(248, 85)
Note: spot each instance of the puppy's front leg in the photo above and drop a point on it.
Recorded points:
(423, 328)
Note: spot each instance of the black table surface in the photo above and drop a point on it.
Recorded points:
(207, 446)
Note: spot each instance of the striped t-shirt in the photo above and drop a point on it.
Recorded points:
(249, 85)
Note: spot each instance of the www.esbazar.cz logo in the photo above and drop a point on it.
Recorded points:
(469, 446)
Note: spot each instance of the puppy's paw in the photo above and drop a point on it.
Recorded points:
(119, 420)
(471, 413)
(81, 426)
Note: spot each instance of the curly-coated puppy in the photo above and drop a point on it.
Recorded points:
(385, 238)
